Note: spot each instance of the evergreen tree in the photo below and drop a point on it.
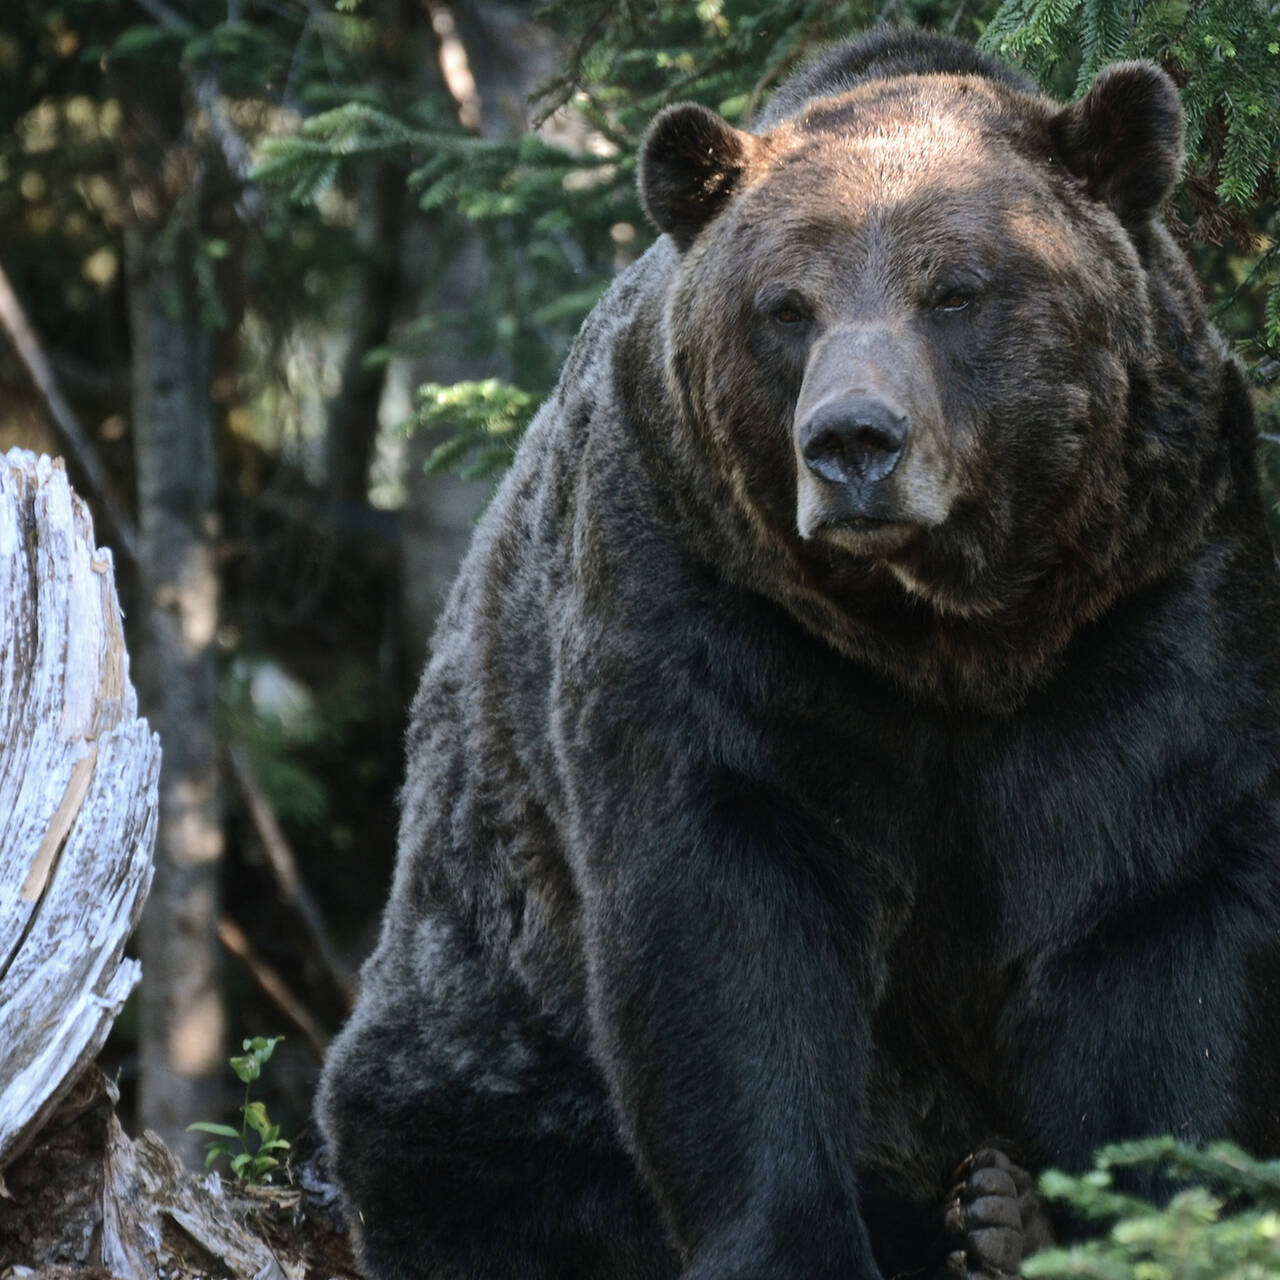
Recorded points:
(1222, 1221)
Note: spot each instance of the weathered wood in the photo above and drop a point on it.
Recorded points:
(85, 1203)
(78, 796)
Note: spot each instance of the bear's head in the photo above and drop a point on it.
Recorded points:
(949, 370)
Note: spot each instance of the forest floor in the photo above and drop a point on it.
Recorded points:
(85, 1202)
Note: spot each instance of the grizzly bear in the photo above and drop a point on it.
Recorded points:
(854, 734)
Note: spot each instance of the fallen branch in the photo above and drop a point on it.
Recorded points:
(237, 942)
(14, 321)
(284, 870)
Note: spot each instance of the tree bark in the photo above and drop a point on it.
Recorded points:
(352, 424)
(181, 1046)
(78, 779)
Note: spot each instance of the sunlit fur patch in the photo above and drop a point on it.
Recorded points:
(866, 209)
(894, 150)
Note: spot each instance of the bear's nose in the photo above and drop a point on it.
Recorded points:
(858, 439)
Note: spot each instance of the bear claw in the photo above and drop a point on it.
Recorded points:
(993, 1218)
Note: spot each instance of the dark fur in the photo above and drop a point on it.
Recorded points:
(1124, 138)
(747, 881)
(702, 161)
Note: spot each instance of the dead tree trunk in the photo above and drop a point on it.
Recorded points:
(78, 796)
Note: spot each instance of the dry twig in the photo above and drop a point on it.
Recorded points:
(285, 871)
(14, 321)
(235, 940)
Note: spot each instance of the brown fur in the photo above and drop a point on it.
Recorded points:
(1033, 426)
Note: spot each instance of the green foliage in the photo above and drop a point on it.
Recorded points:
(307, 163)
(1227, 1225)
(252, 1159)
(263, 45)
(1039, 35)
(484, 420)
(1224, 54)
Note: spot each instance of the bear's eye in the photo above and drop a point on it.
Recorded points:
(784, 308)
(953, 300)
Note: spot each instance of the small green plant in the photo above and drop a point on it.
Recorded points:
(1225, 1225)
(246, 1163)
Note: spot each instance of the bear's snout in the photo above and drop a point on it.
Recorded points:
(855, 442)
(872, 460)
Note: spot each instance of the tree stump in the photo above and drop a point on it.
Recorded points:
(79, 775)
(78, 795)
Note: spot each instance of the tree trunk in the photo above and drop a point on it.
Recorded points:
(352, 424)
(440, 509)
(182, 1020)
(78, 775)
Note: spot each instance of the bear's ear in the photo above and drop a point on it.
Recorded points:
(1123, 139)
(689, 165)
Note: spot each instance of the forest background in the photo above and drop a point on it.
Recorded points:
(285, 279)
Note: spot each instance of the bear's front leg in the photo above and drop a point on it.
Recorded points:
(1138, 1029)
(730, 947)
